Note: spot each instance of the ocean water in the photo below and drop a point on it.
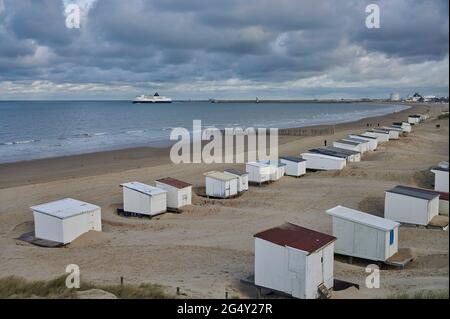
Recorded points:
(42, 129)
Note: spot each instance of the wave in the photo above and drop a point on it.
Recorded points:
(20, 142)
(135, 132)
(88, 135)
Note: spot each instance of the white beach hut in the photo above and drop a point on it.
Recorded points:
(179, 193)
(382, 136)
(364, 144)
(441, 178)
(352, 156)
(443, 204)
(242, 176)
(64, 220)
(221, 185)
(411, 205)
(393, 134)
(294, 260)
(414, 119)
(143, 199)
(339, 153)
(317, 161)
(406, 127)
(278, 169)
(399, 131)
(348, 145)
(363, 235)
(258, 172)
(373, 141)
(295, 166)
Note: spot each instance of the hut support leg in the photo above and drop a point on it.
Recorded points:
(258, 293)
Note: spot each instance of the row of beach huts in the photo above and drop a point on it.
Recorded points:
(290, 259)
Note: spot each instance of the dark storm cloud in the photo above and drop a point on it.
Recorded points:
(184, 42)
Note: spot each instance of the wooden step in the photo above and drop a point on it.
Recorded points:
(324, 292)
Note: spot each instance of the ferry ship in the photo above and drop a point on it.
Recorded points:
(152, 99)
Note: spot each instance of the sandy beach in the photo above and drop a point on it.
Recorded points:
(208, 249)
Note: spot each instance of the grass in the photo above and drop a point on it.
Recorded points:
(423, 294)
(15, 287)
(443, 116)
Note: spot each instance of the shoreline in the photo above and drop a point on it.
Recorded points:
(104, 162)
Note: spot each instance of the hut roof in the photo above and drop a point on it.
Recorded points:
(144, 188)
(298, 237)
(414, 192)
(363, 218)
(174, 182)
(65, 208)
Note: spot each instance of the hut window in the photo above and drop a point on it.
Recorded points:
(391, 237)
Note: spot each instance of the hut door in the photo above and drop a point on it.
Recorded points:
(297, 272)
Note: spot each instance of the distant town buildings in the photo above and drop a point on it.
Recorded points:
(417, 97)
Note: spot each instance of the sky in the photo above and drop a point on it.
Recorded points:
(198, 49)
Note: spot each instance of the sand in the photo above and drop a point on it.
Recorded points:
(209, 248)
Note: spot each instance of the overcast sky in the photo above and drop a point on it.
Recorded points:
(222, 48)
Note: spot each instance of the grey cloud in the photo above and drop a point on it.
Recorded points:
(262, 41)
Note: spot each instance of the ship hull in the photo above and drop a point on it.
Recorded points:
(151, 102)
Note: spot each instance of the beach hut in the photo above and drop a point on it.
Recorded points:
(382, 136)
(441, 178)
(258, 172)
(294, 260)
(406, 127)
(414, 119)
(393, 134)
(443, 204)
(373, 141)
(411, 205)
(399, 131)
(143, 199)
(242, 177)
(364, 144)
(363, 235)
(278, 169)
(324, 162)
(326, 151)
(353, 156)
(295, 166)
(64, 220)
(221, 185)
(179, 193)
(348, 145)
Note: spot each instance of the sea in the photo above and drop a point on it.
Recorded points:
(42, 129)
